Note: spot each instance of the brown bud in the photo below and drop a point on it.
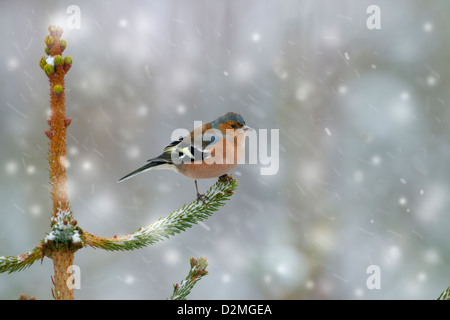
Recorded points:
(49, 122)
(55, 31)
(67, 122)
(73, 222)
(48, 133)
(200, 273)
(65, 222)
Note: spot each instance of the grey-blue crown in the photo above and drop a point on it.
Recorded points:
(229, 116)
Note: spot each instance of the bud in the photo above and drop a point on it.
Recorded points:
(49, 41)
(68, 60)
(42, 63)
(57, 89)
(58, 60)
(67, 63)
(63, 44)
(55, 31)
(193, 262)
(49, 135)
(202, 272)
(49, 69)
(67, 122)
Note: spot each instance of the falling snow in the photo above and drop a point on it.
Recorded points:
(363, 127)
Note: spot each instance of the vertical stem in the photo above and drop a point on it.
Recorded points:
(56, 67)
(57, 158)
(62, 259)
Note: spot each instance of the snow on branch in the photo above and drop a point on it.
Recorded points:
(17, 263)
(175, 222)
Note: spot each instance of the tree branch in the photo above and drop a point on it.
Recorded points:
(445, 295)
(197, 271)
(66, 237)
(17, 263)
(175, 222)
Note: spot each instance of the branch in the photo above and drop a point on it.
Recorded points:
(17, 263)
(175, 222)
(445, 295)
(197, 271)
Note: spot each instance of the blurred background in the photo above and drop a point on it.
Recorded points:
(363, 130)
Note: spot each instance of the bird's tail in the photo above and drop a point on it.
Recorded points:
(151, 165)
(164, 161)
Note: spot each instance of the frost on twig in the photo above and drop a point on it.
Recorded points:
(197, 271)
(64, 229)
(175, 222)
(17, 263)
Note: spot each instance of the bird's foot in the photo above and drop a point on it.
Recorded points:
(202, 198)
(225, 178)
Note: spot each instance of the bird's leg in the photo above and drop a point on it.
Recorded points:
(200, 197)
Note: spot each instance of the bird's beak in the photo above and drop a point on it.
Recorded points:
(247, 128)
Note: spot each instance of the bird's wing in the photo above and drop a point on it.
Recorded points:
(186, 150)
(183, 150)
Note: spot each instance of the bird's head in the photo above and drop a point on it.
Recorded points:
(229, 121)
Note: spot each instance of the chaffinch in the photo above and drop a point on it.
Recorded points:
(209, 151)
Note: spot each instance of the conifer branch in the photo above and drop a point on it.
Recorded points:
(66, 237)
(445, 295)
(175, 222)
(17, 263)
(197, 271)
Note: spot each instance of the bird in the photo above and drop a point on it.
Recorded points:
(209, 151)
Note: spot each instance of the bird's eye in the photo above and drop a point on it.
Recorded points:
(233, 125)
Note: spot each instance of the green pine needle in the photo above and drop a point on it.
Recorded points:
(197, 271)
(163, 228)
(174, 223)
(17, 263)
(445, 295)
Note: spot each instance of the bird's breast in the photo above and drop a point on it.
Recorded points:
(224, 157)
